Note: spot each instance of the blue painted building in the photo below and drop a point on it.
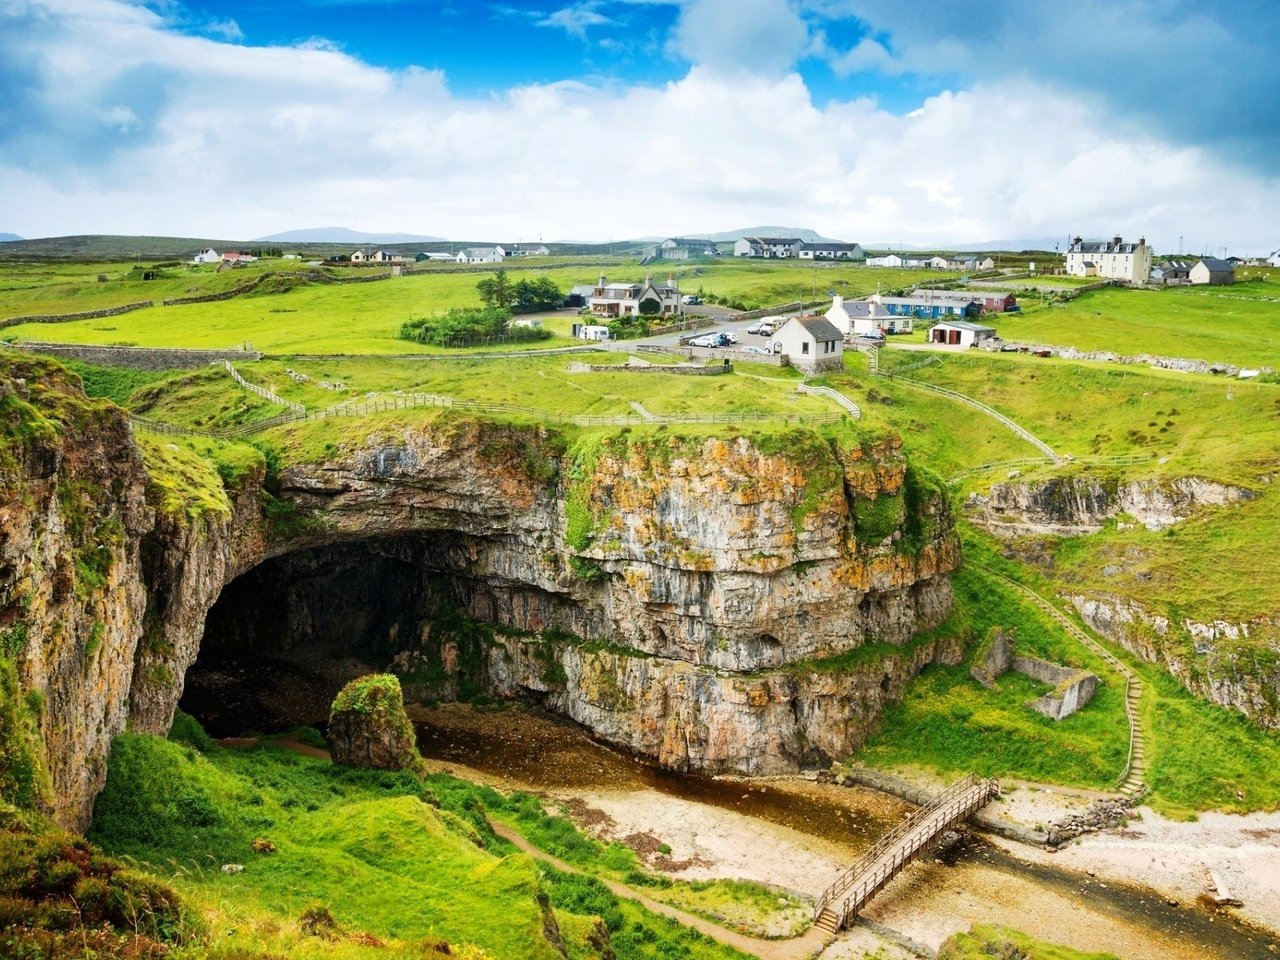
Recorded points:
(929, 308)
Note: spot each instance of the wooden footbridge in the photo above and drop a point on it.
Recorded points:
(854, 888)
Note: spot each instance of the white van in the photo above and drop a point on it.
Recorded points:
(769, 325)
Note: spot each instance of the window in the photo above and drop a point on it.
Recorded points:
(804, 347)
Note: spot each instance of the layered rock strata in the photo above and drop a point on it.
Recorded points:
(672, 590)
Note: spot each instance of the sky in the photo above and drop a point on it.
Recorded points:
(933, 123)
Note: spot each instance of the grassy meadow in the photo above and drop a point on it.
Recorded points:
(1237, 324)
(343, 863)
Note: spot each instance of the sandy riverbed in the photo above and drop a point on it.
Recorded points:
(792, 833)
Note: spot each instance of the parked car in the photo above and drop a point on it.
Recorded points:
(729, 337)
(692, 300)
(757, 328)
(775, 346)
(752, 348)
(769, 325)
(706, 340)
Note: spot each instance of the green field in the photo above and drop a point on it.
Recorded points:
(1239, 324)
(400, 862)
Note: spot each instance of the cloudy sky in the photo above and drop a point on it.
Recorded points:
(869, 120)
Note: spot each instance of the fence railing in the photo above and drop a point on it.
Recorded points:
(1025, 434)
(421, 400)
(262, 392)
(834, 395)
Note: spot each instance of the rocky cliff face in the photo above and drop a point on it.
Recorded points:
(663, 586)
(1074, 505)
(1235, 665)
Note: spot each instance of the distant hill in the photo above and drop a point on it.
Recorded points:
(343, 235)
(803, 233)
(6, 237)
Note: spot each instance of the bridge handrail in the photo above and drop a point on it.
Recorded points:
(894, 836)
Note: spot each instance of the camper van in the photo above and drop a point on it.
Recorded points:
(591, 331)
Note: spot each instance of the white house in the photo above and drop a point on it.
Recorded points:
(830, 250)
(208, 255)
(854, 318)
(527, 250)
(1274, 259)
(681, 248)
(1111, 259)
(1212, 271)
(811, 344)
(768, 247)
(889, 260)
(480, 255)
(630, 299)
(235, 256)
(963, 333)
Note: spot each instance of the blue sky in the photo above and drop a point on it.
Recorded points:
(865, 119)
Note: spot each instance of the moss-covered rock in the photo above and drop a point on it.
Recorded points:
(368, 727)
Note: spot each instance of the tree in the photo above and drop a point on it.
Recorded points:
(533, 296)
(496, 291)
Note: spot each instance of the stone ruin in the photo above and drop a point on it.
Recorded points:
(1072, 688)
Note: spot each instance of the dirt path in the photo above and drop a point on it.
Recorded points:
(799, 948)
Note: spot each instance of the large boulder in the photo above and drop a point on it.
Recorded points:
(368, 727)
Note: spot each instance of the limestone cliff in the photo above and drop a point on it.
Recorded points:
(1235, 665)
(1082, 504)
(670, 589)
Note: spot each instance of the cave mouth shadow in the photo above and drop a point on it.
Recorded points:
(283, 638)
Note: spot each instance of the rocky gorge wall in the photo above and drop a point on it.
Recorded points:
(657, 588)
(1082, 504)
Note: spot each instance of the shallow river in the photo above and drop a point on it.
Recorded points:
(976, 882)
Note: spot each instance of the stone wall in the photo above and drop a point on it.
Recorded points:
(82, 315)
(137, 358)
(1072, 688)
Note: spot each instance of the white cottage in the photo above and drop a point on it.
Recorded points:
(811, 344)
(963, 333)
(208, 255)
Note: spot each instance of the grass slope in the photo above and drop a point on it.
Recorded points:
(1236, 324)
(397, 861)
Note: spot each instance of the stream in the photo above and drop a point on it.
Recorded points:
(786, 822)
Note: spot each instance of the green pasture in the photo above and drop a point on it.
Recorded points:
(399, 862)
(1226, 426)
(1238, 324)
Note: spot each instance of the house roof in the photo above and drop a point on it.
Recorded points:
(813, 245)
(820, 328)
(869, 309)
(478, 251)
(1217, 266)
(966, 325)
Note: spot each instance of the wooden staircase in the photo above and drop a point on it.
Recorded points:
(854, 888)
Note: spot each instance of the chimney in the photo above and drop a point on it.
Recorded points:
(837, 301)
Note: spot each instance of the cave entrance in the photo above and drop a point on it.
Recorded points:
(283, 638)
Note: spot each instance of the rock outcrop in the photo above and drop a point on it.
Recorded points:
(368, 727)
(661, 589)
(1081, 504)
(1234, 665)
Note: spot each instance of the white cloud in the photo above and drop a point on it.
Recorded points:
(763, 37)
(575, 20)
(134, 129)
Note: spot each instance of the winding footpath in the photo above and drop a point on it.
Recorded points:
(808, 944)
(1131, 782)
